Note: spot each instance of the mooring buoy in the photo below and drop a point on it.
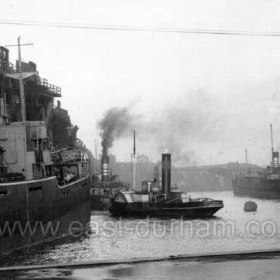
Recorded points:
(250, 206)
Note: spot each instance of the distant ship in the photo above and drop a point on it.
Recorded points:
(265, 184)
(162, 203)
(41, 184)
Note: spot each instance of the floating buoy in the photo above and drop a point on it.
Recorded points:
(250, 206)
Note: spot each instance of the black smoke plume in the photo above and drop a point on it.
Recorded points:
(184, 127)
(115, 124)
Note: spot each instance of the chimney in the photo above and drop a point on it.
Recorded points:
(166, 173)
(156, 174)
(105, 168)
(275, 159)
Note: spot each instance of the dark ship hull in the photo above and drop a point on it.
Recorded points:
(27, 209)
(102, 193)
(100, 202)
(256, 187)
(191, 210)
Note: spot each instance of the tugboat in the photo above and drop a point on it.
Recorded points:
(165, 203)
(104, 186)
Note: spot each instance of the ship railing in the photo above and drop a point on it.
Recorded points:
(13, 68)
(204, 199)
(160, 197)
(175, 199)
(7, 67)
(50, 87)
(4, 66)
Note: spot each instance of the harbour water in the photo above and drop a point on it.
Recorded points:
(109, 238)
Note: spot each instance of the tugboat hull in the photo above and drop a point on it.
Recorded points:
(100, 202)
(188, 210)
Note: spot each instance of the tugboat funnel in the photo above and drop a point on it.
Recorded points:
(105, 168)
(166, 173)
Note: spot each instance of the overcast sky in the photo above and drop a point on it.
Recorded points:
(203, 97)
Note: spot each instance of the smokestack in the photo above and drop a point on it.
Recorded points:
(166, 173)
(275, 155)
(105, 168)
(133, 158)
(156, 174)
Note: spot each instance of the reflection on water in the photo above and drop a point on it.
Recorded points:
(111, 238)
(74, 222)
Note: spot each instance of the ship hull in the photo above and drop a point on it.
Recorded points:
(100, 202)
(27, 207)
(256, 187)
(187, 210)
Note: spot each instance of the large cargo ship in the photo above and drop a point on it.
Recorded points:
(264, 184)
(42, 184)
(152, 201)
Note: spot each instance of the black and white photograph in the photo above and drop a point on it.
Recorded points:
(139, 139)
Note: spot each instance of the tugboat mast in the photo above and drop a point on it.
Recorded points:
(134, 162)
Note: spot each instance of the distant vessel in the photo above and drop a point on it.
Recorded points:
(265, 184)
(39, 185)
(104, 185)
(162, 203)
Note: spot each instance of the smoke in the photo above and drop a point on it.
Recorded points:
(117, 122)
(187, 127)
(184, 127)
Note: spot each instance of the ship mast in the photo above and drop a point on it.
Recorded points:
(272, 150)
(21, 86)
(133, 157)
(20, 79)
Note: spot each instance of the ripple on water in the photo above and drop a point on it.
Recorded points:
(111, 238)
